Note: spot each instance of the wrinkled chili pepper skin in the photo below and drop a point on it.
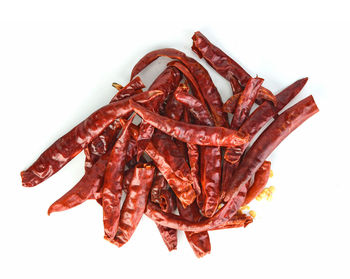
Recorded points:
(173, 167)
(239, 220)
(207, 87)
(218, 60)
(169, 237)
(135, 203)
(174, 109)
(230, 104)
(210, 157)
(113, 182)
(245, 102)
(86, 188)
(260, 180)
(264, 113)
(106, 139)
(200, 242)
(167, 82)
(70, 145)
(278, 130)
(190, 133)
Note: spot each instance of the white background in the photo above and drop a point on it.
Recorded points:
(56, 71)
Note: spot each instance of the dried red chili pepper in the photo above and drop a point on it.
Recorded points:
(173, 108)
(106, 139)
(278, 130)
(85, 189)
(193, 160)
(113, 182)
(70, 145)
(190, 133)
(200, 242)
(169, 237)
(173, 167)
(239, 220)
(210, 157)
(207, 87)
(230, 104)
(260, 180)
(135, 203)
(167, 82)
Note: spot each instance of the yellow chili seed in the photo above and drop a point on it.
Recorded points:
(252, 213)
(272, 189)
(271, 173)
(246, 207)
(258, 198)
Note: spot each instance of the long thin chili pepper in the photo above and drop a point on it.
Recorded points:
(85, 189)
(200, 242)
(207, 87)
(193, 160)
(237, 221)
(173, 108)
(260, 180)
(167, 82)
(106, 139)
(169, 236)
(135, 203)
(230, 104)
(278, 130)
(70, 145)
(210, 157)
(190, 133)
(113, 182)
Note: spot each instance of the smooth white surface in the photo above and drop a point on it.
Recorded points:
(54, 74)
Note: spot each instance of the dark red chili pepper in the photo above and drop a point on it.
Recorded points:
(239, 220)
(193, 160)
(190, 133)
(70, 145)
(224, 65)
(207, 87)
(173, 167)
(169, 236)
(127, 179)
(265, 95)
(167, 82)
(200, 242)
(260, 180)
(85, 189)
(135, 203)
(210, 157)
(231, 103)
(113, 182)
(106, 139)
(278, 130)
(245, 102)
(173, 108)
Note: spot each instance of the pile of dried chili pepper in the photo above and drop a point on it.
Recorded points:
(184, 155)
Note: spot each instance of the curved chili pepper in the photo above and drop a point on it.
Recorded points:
(200, 242)
(193, 160)
(260, 180)
(106, 139)
(169, 236)
(239, 220)
(135, 203)
(167, 82)
(190, 133)
(265, 95)
(113, 182)
(173, 108)
(278, 130)
(85, 189)
(70, 145)
(207, 87)
(173, 168)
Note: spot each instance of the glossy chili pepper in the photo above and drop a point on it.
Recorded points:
(230, 104)
(173, 167)
(193, 160)
(190, 133)
(278, 130)
(167, 82)
(239, 220)
(260, 180)
(169, 237)
(210, 157)
(106, 139)
(135, 203)
(200, 242)
(85, 189)
(245, 102)
(127, 179)
(70, 145)
(207, 87)
(113, 182)
(173, 108)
